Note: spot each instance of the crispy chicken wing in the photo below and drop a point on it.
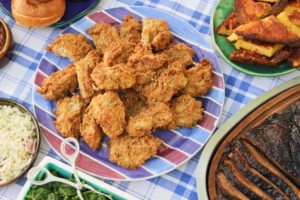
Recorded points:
(145, 63)
(131, 29)
(59, 84)
(157, 115)
(84, 68)
(132, 102)
(109, 113)
(179, 52)
(103, 35)
(118, 52)
(68, 115)
(90, 131)
(132, 152)
(119, 76)
(156, 32)
(199, 79)
(166, 83)
(187, 111)
(72, 46)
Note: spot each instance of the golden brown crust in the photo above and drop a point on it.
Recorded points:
(132, 102)
(72, 46)
(294, 59)
(132, 152)
(131, 29)
(249, 10)
(68, 115)
(166, 83)
(119, 76)
(59, 84)
(118, 52)
(248, 57)
(84, 68)
(156, 32)
(187, 111)
(103, 35)
(33, 13)
(278, 7)
(199, 79)
(109, 113)
(90, 131)
(228, 25)
(179, 52)
(268, 30)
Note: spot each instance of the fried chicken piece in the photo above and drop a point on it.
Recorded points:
(68, 115)
(156, 32)
(157, 115)
(145, 63)
(119, 76)
(131, 29)
(132, 152)
(249, 57)
(179, 52)
(103, 35)
(199, 79)
(59, 84)
(109, 113)
(72, 46)
(294, 59)
(132, 102)
(228, 25)
(84, 68)
(187, 111)
(118, 52)
(166, 83)
(249, 10)
(90, 131)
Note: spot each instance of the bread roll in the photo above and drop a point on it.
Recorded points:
(37, 13)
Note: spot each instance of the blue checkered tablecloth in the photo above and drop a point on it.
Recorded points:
(18, 70)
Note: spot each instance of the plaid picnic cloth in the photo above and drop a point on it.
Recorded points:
(18, 70)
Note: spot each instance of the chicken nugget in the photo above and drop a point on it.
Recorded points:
(119, 76)
(179, 52)
(132, 102)
(59, 84)
(166, 83)
(103, 35)
(156, 115)
(90, 131)
(199, 79)
(132, 152)
(131, 29)
(156, 32)
(68, 115)
(118, 52)
(84, 68)
(72, 46)
(109, 113)
(145, 63)
(187, 111)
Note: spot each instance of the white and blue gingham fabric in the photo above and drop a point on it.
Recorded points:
(18, 70)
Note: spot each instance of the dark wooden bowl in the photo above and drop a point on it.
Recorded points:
(247, 118)
(12, 103)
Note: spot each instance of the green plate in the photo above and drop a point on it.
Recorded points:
(224, 47)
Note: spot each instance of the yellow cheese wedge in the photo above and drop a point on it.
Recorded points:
(292, 6)
(263, 49)
(233, 37)
(291, 19)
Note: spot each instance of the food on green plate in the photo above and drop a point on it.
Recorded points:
(264, 162)
(263, 31)
(126, 87)
(17, 142)
(59, 191)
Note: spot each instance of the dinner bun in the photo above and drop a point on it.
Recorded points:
(37, 13)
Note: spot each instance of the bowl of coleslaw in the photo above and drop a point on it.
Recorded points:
(19, 140)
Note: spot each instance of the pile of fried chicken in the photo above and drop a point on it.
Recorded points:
(135, 81)
(264, 32)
